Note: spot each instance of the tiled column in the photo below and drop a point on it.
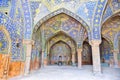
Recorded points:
(115, 54)
(45, 57)
(96, 55)
(79, 51)
(28, 44)
(73, 59)
(45, 61)
(42, 59)
(118, 60)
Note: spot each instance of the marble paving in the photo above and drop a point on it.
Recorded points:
(71, 73)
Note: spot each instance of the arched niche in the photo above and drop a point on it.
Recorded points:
(60, 49)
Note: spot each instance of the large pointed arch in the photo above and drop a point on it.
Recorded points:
(67, 12)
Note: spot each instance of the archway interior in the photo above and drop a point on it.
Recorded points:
(105, 52)
(59, 27)
(86, 54)
(60, 50)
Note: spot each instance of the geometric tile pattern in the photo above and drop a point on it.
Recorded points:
(115, 5)
(27, 19)
(3, 43)
(111, 28)
(96, 26)
(13, 7)
(16, 33)
(3, 3)
(108, 12)
(88, 12)
(65, 23)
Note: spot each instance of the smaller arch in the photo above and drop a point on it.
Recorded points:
(61, 32)
(2, 28)
(62, 42)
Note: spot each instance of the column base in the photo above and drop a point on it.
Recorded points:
(42, 66)
(97, 73)
(45, 62)
(25, 74)
(3, 79)
(116, 66)
(73, 64)
(79, 67)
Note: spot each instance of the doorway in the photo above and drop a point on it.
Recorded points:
(86, 54)
(106, 54)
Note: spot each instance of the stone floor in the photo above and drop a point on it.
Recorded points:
(71, 73)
